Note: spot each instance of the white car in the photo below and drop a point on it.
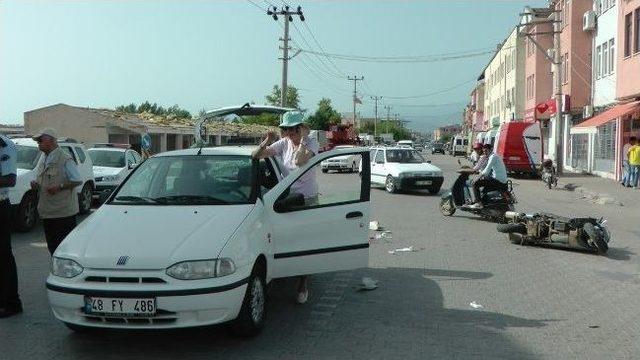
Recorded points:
(193, 236)
(111, 165)
(399, 169)
(24, 201)
(348, 163)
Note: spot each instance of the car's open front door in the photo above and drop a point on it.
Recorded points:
(323, 234)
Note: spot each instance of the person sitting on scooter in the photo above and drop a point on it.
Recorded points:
(482, 158)
(492, 177)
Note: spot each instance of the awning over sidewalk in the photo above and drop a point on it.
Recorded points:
(611, 114)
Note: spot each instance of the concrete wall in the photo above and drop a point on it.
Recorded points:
(77, 123)
(604, 87)
(628, 70)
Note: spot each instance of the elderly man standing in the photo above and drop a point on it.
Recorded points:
(9, 300)
(56, 181)
(295, 148)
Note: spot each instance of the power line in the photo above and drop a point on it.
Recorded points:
(401, 59)
(256, 5)
(322, 48)
(433, 93)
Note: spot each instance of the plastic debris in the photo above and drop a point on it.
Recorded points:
(406, 249)
(367, 284)
(383, 235)
(374, 225)
(475, 305)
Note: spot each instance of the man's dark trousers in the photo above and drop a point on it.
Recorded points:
(489, 184)
(55, 230)
(9, 298)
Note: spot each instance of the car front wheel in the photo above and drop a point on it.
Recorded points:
(27, 214)
(252, 315)
(85, 198)
(390, 185)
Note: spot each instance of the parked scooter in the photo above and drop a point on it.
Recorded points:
(548, 172)
(538, 229)
(496, 203)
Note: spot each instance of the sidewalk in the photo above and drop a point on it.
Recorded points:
(599, 190)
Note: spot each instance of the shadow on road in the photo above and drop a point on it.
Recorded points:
(404, 318)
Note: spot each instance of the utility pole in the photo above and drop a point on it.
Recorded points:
(386, 127)
(557, 91)
(375, 120)
(355, 80)
(288, 17)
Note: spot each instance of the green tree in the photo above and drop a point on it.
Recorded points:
(292, 97)
(324, 117)
(155, 109)
(391, 127)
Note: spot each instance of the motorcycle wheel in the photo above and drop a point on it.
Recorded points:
(447, 208)
(596, 238)
(516, 239)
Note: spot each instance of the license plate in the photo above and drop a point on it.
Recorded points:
(423, 182)
(120, 306)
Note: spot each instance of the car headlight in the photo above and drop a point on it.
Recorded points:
(65, 268)
(201, 269)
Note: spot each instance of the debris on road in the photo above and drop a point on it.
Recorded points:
(406, 249)
(475, 305)
(367, 284)
(383, 235)
(374, 225)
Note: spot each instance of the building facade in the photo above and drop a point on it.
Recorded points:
(504, 83)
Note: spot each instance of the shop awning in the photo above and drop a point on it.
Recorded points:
(611, 114)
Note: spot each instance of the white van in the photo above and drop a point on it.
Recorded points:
(459, 145)
(24, 201)
(405, 144)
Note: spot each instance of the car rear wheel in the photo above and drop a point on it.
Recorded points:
(325, 170)
(27, 214)
(85, 198)
(252, 315)
(389, 185)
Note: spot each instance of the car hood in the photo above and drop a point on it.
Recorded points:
(105, 171)
(153, 237)
(423, 167)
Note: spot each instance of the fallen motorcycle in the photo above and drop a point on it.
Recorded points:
(496, 203)
(548, 229)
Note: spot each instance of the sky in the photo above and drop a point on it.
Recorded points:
(212, 53)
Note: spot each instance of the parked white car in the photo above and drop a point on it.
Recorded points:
(348, 163)
(399, 169)
(193, 236)
(111, 165)
(24, 200)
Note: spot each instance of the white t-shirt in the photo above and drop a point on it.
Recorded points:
(625, 152)
(8, 162)
(495, 168)
(285, 149)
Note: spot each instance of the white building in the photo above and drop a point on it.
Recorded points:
(505, 82)
(604, 52)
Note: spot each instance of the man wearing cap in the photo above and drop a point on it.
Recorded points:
(9, 300)
(295, 148)
(55, 183)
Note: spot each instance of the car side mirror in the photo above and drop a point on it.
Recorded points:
(131, 166)
(428, 161)
(288, 202)
(102, 198)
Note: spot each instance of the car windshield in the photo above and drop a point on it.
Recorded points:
(189, 180)
(404, 156)
(27, 157)
(107, 158)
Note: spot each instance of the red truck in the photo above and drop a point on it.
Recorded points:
(519, 144)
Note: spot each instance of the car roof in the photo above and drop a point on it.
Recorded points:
(26, 141)
(242, 150)
(392, 148)
(109, 149)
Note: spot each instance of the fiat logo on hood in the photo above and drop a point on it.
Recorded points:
(122, 260)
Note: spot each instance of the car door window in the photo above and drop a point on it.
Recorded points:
(130, 159)
(349, 189)
(81, 155)
(267, 177)
(69, 151)
(380, 157)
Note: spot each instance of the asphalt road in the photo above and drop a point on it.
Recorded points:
(535, 302)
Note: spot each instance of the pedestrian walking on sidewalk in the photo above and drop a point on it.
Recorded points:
(55, 183)
(295, 148)
(626, 178)
(634, 163)
(9, 299)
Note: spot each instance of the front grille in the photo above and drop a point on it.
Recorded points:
(162, 317)
(121, 279)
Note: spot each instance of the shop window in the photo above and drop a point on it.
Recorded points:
(604, 147)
